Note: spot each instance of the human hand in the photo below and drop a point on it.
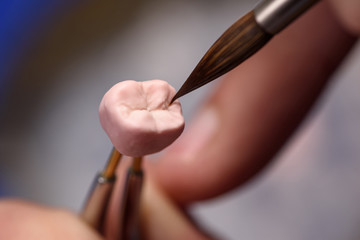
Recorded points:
(160, 217)
(22, 220)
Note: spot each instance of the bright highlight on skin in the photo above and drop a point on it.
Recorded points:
(138, 119)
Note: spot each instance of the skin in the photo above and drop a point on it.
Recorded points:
(231, 155)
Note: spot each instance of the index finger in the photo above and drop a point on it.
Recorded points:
(255, 110)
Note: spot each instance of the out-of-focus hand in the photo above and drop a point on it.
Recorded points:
(160, 218)
(21, 220)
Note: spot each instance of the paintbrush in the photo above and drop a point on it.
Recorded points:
(98, 198)
(244, 38)
(129, 212)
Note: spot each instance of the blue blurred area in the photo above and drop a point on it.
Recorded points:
(20, 21)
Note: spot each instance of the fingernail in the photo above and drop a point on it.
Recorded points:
(198, 135)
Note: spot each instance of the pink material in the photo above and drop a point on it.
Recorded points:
(138, 118)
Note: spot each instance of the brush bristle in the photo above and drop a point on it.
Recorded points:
(235, 45)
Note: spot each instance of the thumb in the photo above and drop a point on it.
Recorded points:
(254, 111)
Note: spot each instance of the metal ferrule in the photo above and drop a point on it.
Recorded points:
(274, 15)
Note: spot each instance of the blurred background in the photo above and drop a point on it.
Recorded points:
(58, 58)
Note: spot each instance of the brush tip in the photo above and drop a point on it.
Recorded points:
(234, 46)
(174, 98)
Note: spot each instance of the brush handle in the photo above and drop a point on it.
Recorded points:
(274, 15)
(97, 202)
(129, 213)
